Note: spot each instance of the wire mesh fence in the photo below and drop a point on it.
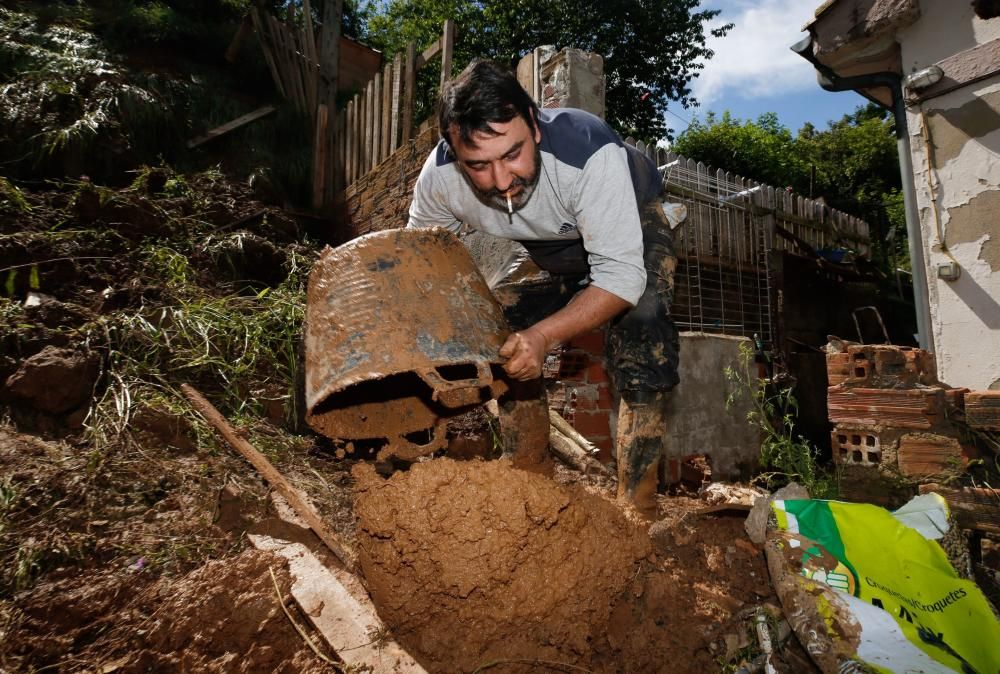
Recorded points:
(724, 282)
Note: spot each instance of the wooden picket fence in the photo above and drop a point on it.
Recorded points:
(372, 125)
(380, 118)
(290, 53)
(797, 219)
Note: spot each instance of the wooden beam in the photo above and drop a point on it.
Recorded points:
(321, 145)
(447, 47)
(376, 120)
(397, 101)
(277, 481)
(230, 126)
(329, 51)
(409, 86)
(426, 55)
(386, 111)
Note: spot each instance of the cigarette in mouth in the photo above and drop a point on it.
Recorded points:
(510, 210)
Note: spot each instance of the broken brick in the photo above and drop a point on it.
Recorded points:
(923, 454)
(982, 410)
(838, 368)
(973, 507)
(906, 408)
(887, 366)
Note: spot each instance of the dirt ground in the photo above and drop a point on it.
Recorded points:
(459, 557)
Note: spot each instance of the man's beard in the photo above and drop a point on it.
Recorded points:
(497, 199)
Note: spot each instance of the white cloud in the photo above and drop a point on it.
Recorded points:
(754, 59)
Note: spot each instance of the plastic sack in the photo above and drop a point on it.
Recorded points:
(865, 586)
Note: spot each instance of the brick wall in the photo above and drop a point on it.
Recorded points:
(579, 390)
(381, 199)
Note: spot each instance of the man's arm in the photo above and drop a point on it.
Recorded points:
(525, 351)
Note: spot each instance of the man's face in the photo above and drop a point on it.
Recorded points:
(507, 163)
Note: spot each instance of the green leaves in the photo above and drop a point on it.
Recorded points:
(651, 49)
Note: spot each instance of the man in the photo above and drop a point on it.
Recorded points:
(582, 203)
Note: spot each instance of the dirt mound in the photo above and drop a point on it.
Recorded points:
(222, 617)
(478, 564)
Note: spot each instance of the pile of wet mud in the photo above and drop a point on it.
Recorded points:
(475, 565)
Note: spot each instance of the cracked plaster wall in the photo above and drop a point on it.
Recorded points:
(964, 130)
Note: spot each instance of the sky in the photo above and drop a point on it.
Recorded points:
(754, 71)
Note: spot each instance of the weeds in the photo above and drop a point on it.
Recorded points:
(244, 348)
(773, 410)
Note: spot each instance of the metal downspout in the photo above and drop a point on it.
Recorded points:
(830, 81)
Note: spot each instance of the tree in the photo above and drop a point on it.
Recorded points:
(652, 49)
(763, 150)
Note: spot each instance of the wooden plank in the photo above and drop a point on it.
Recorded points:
(397, 101)
(230, 126)
(426, 55)
(376, 121)
(289, 65)
(302, 69)
(266, 46)
(329, 51)
(310, 36)
(277, 481)
(367, 130)
(321, 181)
(279, 58)
(350, 138)
(409, 91)
(386, 111)
(308, 72)
(447, 47)
(340, 163)
(340, 609)
(359, 136)
(300, 66)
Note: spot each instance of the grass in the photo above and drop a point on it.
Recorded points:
(241, 348)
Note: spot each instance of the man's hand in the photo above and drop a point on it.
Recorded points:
(525, 352)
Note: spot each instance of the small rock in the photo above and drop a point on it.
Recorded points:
(55, 380)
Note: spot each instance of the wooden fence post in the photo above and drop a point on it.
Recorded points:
(447, 46)
(409, 90)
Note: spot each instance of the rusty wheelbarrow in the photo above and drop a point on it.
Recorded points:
(401, 334)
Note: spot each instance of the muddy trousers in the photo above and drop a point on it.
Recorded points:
(642, 354)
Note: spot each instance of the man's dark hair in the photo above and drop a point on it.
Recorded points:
(482, 94)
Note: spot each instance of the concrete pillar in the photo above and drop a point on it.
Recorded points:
(568, 78)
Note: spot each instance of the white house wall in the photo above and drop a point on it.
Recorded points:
(964, 128)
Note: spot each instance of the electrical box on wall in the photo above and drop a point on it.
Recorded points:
(949, 271)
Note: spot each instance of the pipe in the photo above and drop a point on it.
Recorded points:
(830, 81)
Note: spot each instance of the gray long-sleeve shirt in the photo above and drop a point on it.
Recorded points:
(591, 187)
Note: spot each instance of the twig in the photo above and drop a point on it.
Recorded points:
(305, 637)
(343, 551)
